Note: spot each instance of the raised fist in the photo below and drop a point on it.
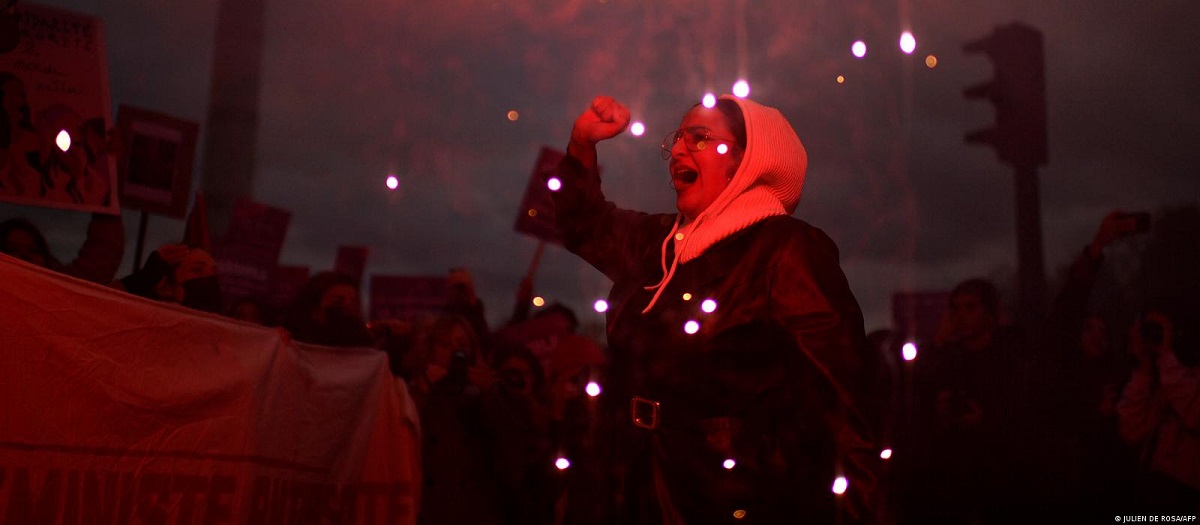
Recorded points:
(604, 119)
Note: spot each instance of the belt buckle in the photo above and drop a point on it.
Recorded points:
(644, 412)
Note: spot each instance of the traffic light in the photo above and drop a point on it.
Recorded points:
(1018, 92)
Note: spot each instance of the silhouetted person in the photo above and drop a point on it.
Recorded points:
(177, 274)
(1159, 410)
(97, 261)
(328, 311)
(972, 427)
(1079, 379)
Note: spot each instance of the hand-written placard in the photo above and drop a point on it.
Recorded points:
(56, 151)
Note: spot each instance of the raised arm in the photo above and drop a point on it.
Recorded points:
(102, 250)
(1070, 305)
(613, 240)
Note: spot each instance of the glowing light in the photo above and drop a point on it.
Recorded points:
(63, 140)
(931, 61)
(637, 128)
(691, 327)
(739, 514)
(709, 100)
(839, 485)
(592, 388)
(859, 48)
(741, 89)
(729, 464)
(532, 212)
(562, 463)
(841, 79)
(687, 296)
(909, 351)
(513, 115)
(393, 182)
(908, 43)
(722, 149)
(538, 301)
(679, 236)
(554, 184)
(886, 454)
(709, 306)
(601, 305)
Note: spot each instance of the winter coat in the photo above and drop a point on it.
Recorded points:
(768, 379)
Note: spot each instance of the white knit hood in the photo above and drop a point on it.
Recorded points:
(768, 182)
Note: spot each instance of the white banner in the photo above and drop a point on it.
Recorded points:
(120, 410)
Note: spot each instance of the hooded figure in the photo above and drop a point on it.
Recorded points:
(733, 265)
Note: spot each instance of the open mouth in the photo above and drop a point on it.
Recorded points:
(686, 176)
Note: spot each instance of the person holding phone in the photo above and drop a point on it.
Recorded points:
(733, 255)
(1159, 410)
(1078, 382)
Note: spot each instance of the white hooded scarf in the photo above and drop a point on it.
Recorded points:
(768, 182)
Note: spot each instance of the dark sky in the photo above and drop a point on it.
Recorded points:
(352, 90)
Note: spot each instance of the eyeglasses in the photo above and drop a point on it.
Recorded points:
(695, 138)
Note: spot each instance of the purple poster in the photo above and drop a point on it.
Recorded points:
(248, 254)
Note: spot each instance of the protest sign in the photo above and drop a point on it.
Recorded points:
(535, 216)
(156, 167)
(249, 252)
(55, 77)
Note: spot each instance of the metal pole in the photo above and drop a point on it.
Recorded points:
(1031, 274)
(141, 241)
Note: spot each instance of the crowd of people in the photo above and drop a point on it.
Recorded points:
(999, 421)
(775, 395)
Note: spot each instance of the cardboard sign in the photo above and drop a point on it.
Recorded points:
(408, 297)
(156, 165)
(535, 216)
(53, 150)
(248, 254)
